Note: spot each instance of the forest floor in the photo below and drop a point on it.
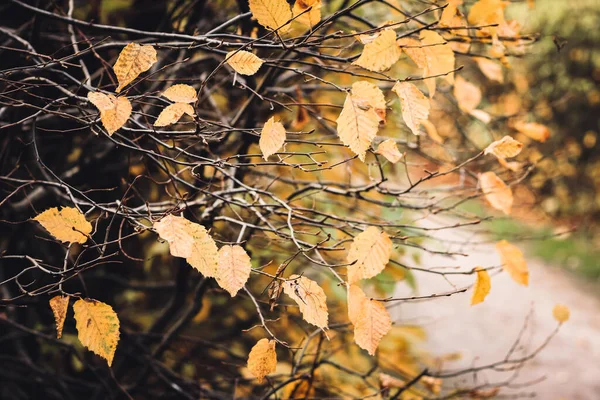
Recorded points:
(567, 368)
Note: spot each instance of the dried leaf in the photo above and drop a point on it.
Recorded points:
(370, 318)
(467, 94)
(506, 147)
(389, 150)
(561, 313)
(133, 60)
(496, 192)
(243, 62)
(262, 359)
(535, 131)
(97, 327)
(272, 137)
(67, 225)
(414, 105)
(482, 287)
(381, 53)
(513, 262)
(114, 111)
(181, 93)
(487, 12)
(370, 252)
(175, 230)
(310, 18)
(310, 298)
(271, 14)
(234, 268)
(439, 57)
(59, 306)
(173, 113)
(103, 102)
(491, 69)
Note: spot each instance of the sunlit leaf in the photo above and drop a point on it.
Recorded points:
(389, 150)
(487, 12)
(234, 268)
(370, 318)
(506, 147)
(272, 137)
(482, 287)
(370, 252)
(97, 327)
(271, 14)
(173, 113)
(262, 359)
(513, 262)
(308, 18)
(114, 111)
(450, 14)
(310, 297)
(381, 53)
(496, 192)
(414, 105)
(439, 58)
(467, 94)
(244, 62)
(561, 313)
(67, 225)
(133, 60)
(59, 305)
(181, 93)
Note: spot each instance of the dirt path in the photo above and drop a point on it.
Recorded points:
(569, 365)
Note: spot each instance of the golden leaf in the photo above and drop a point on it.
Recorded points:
(234, 268)
(59, 306)
(271, 14)
(133, 60)
(308, 18)
(450, 14)
(173, 113)
(414, 105)
(370, 252)
(467, 94)
(561, 313)
(310, 298)
(491, 69)
(414, 49)
(513, 262)
(506, 147)
(175, 230)
(272, 137)
(243, 62)
(262, 359)
(103, 102)
(370, 318)
(496, 192)
(381, 53)
(487, 12)
(181, 93)
(389, 150)
(439, 57)
(114, 111)
(533, 130)
(97, 327)
(482, 287)
(67, 225)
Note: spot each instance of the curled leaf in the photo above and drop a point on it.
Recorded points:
(133, 60)
(97, 327)
(67, 225)
(506, 147)
(173, 113)
(262, 359)
(59, 306)
(482, 287)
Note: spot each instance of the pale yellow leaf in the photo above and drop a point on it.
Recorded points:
(308, 18)
(370, 252)
(414, 49)
(370, 318)
(506, 147)
(262, 359)
(381, 53)
(67, 225)
(533, 130)
(181, 93)
(97, 327)
(513, 262)
(482, 287)
(243, 62)
(414, 105)
(103, 102)
(389, 150)
(439, 58)
(491, 69)
(114, 111)
(271, 14)
(310, 298)
(487, 12)
(467, 94)
(368, 95)
(234, 268)
(59, 306)
(272, 137)
(481, 115)
(176, 231)
(496, 192)
(173, 113)
(561, 313)
(133, 60)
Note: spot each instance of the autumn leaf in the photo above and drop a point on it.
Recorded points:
(175, 230)
(271, 14)
(561, 313)
(133, 60)
(310, 298)
(414, 105)
(450, 14)
(97, 327)
(243, 62)
(262, 359)
(491, 69)
(513, 262)
(59, 305)
(308, 18)
(173, 113)
(468, 96)
(506, 147)
(482, 287)
(181, 93)
(381, 53)
(234, 268)
(496, 192)
(389, 150)
(67, 225)
(487, 12)
(370, 252)
(439, 58)
(272, 137)
(370, 318)
(533, 130)
(114, 111)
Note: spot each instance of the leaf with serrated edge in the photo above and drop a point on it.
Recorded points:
(67, 225)
(181, 93)
(97, 327)
(234, 268)
(272, 137)
(415, 106)
(370, 252)
(173, 113)
(175, 230)
(114, 111)
(370, 318)
(561, 313)
(381, 53)
(389, 150)
(271, 14)
(133, 60)
(513, 262)
(243, 62)
(262, 359)
(496, 192)
(310, 298)
(59, 306)
(308, 18)
(482, 287)
(506, 147)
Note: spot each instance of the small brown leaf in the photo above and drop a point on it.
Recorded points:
(133, 60)
(59, 306)
(262, 359)
(173, 113)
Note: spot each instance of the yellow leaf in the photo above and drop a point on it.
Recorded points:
(370, 252)
(310, 298)
(450, 14)
(181, 93)
(173, 113)
(496, 192)
(370, 318)
(561, 313)
(487, 12)
(491, 69)
(432, 132)
(59, 306)
(175, 230)
(439, 57)
(381, 53)
(114, 111)
(513, 262)
(234, 268)
(133, 60)
(243, 62)
(97, 327)
(467, 95)
(506, 147)
(262, 359)
(535, 131)
(308, 18)
(416, 51)
(271, 14)
(414, 105)
(272, 137)
(67, 225)
(389, 150)
(482, 287)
